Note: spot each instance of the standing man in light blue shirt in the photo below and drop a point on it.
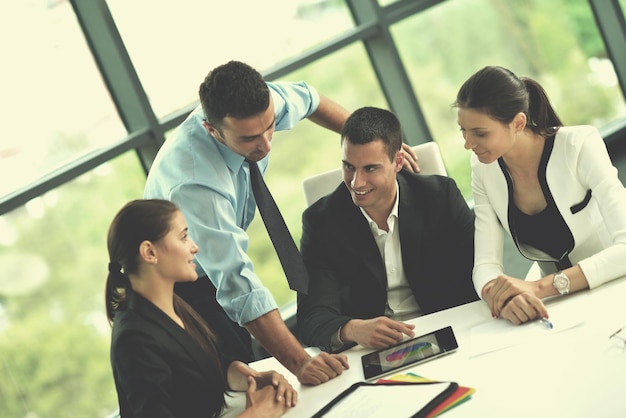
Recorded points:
(202, 168)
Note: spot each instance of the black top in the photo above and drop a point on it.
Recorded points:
(545, 230)
(548, 232)
(159, 369)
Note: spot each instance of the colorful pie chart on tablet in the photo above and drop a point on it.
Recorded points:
(410, 351)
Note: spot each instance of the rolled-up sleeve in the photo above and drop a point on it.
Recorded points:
(293, 102)
(222, 255)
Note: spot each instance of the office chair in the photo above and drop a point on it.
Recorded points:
(319, 185)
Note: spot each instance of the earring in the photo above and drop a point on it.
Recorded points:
(156, 261)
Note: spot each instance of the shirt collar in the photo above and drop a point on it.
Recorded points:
(234, 161)
(393, 215)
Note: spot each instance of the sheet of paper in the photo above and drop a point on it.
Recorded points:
(386, 401)
(493, 334)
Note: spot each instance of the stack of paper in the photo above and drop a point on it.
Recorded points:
(460, 395)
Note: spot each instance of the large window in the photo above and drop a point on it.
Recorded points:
(54, 337)
(187, 38)
(554, 42)
(54, 105)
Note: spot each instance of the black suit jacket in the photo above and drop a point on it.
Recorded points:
(159, 370)
(347, 274)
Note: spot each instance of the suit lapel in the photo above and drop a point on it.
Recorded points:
(411, 229)
(179, 336)
(358, 239)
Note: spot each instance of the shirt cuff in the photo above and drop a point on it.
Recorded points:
(248, 307)
(335, 341)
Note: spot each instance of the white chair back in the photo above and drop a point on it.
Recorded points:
(319, 185)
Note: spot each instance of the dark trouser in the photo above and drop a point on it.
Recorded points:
(234, 341)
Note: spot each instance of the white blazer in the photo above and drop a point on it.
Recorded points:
(579, 163)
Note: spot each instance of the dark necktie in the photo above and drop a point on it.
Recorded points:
(285, 247)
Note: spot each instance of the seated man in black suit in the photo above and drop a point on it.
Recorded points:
(387, 245)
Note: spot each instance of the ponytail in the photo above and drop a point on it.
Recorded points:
(117, 285)
(542, 118)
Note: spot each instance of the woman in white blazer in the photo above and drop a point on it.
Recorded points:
(552, 188)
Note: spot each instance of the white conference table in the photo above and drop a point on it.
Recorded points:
(570, 371)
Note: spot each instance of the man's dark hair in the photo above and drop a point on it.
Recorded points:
(233, 89)
(367, 124)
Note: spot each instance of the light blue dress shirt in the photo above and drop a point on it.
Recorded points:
(210, 184)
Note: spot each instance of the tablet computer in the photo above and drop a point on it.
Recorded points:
(409, 353)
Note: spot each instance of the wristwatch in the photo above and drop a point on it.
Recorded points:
(561, 283)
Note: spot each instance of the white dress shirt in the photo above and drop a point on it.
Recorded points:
(401, 303)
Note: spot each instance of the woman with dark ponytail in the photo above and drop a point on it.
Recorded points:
(553, 188)
(164, 357)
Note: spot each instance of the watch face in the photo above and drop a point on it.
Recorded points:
(561, 283)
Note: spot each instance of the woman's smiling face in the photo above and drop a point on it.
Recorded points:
(488, 138)
(177, 251)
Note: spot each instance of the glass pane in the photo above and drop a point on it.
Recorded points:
(444, 45)
(54, 335)
(181, 41)
(309, 149)
(383, 3)
(53, 101)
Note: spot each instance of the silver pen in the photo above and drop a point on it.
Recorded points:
(545, 321)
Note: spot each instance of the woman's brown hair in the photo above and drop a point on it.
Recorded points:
(501, 94)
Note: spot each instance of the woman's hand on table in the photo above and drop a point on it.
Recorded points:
(263, 401)
(239, 375)
(514, 299)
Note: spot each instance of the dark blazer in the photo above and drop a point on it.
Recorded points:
(347, 274)
(159, 370)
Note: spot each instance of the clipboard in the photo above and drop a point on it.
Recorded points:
(413, 399)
